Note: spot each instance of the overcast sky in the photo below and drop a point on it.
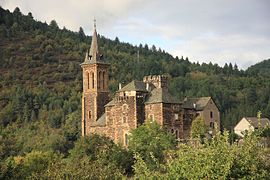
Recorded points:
(219, 31)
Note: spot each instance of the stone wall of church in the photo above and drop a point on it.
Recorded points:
(154, 112)
(173, 119)
(120, 119)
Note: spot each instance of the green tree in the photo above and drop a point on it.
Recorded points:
(150, 141)
(54, 24)
(216, 159)
(81, 34)
(198, 128)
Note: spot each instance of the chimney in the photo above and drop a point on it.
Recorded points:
(120, 86)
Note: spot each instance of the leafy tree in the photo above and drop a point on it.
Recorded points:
(150, 141)
(198, 128)
(98, 148)
(216, 159)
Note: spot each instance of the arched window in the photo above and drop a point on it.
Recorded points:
(104, 80)
(88, 80)
(93, 80)
(100, 80)
(176, 134)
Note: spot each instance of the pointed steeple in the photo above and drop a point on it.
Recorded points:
(93, 51)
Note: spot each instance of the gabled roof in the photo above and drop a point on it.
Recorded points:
(254, 121)
(134, 86)
(161, 95)
(196, 103)
(101, 121)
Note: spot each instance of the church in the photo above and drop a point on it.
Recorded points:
(135, 102)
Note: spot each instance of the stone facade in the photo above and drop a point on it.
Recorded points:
(134, 103)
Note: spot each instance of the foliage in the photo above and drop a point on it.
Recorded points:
(40, 108)
(198, 128)
(216, 159)
(150, 141)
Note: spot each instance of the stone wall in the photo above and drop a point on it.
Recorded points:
(173, 119)
(211, 115)
(154, 112)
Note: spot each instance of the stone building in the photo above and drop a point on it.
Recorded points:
(134, 103)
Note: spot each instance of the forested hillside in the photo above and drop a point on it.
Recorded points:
(40, 73)
(41, 84)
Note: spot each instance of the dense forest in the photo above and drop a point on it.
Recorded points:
(41, 84)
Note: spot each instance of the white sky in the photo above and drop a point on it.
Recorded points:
(219, 31)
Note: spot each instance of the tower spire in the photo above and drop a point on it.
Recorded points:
(93, 51)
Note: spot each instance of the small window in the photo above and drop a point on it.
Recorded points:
(124, 118)
(151, 116)
(88, 81)
(126, 139)
(172, 131)
(150, 106)
(89, 115)
(211, 114)
(93, 80)
(176, 134)
(176, 117)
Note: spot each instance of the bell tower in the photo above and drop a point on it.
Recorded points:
(95, 85)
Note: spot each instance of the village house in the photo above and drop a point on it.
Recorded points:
(250, 124)
(135, 102)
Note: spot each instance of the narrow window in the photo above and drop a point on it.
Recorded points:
(124, 119)
(93, 80)
(126, 139)
(104, 81)
(172, 131)
(211, 114)
(88, 81)
(100, 80)
(89, 114)
(176, 134)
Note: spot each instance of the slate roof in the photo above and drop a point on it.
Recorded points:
(255, 122)
(101, 121)
(200, 103)
(161, 95)
(134, 86)
(111, 103)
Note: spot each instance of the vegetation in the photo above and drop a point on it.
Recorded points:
(198, 128)
(40, 109)
(215, 159)
(149, 141)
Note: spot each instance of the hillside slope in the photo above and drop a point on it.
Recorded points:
(40, 72)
